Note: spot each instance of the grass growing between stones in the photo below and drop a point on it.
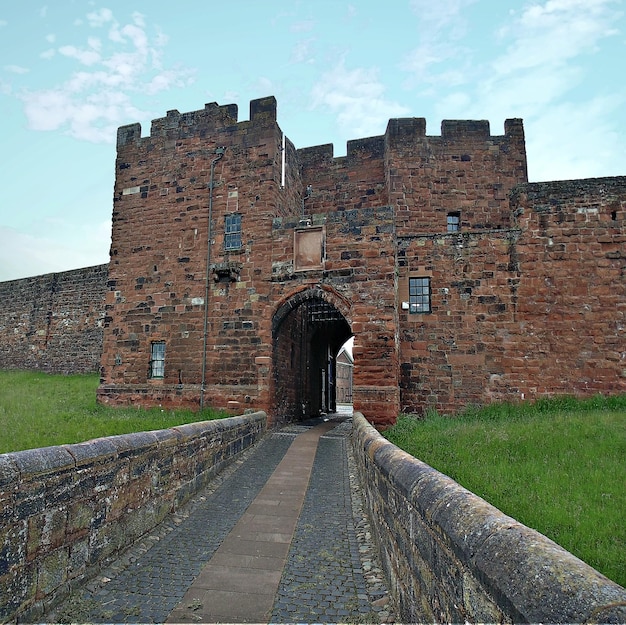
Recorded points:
(39, 410)
(556, 466)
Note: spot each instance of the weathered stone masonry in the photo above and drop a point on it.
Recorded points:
(328, 248)
(67, 511)
(526, 287)
(451, 557)
(53, 322)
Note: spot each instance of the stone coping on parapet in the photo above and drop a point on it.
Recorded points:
(453, 557)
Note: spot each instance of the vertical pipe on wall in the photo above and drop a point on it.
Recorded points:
(282, 179)
(219, 154)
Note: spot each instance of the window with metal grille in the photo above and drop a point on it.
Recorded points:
(157, 359)
(419, 295)
(232, 233)
(454, 222)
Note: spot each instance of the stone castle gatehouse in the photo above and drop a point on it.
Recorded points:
(240, 265)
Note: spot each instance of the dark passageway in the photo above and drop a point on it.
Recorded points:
(308, 333)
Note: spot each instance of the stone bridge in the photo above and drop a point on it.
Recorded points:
(324, 521)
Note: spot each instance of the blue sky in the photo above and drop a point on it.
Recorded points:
(72, 71)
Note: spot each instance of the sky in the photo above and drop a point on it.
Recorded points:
(73, 71)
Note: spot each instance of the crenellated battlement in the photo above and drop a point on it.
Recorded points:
(211, 118)
(411, 132)
(400, 132)
(414, 128)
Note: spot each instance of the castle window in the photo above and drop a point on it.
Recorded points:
(419, 295)
(157, 359)
(454, 222)
(232, 233)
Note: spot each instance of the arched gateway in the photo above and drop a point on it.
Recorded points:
(308, 331)
(240, 264)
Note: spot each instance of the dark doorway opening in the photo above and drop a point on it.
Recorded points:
(308, 333)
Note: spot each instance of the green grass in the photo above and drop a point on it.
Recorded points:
(39, 410)
(557, 466)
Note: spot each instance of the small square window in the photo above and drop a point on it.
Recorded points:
(419, 295)
(232, 232)
(157, 360)
(454, 222)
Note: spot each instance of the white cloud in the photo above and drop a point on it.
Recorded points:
(16, 69)
(440, 28)
(96, 98)
(543, 63)
(86, 57)
(302, 51)
(357, 99)
(302, 27)
(556, 32)
(443, 14)
(595, 148)
(425, 62)
(99, 18)
(26, 254)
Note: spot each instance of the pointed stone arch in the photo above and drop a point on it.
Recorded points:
(308, 328)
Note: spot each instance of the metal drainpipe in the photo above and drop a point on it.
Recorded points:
(219, 154)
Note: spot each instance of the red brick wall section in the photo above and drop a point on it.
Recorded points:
(523, 313)
(452, 356)
(527, 297)
(354, 181)
(359, 279)
(53, 322)
(160, 251)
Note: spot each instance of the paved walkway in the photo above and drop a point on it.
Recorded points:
(280, 536)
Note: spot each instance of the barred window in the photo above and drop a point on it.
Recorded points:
(232, 233)
(454, 222)
(419, 295)
(157, 359)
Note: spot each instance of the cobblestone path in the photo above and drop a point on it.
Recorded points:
(329, 572)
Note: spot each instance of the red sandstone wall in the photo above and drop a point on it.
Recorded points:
(570, 330)
(451, 356)
(53, 322)
(354, 181)
(466, 169)
(158, 262)
(159, 254)
(359, 280)
(529, 312)
(513, 291)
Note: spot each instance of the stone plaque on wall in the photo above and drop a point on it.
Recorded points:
(309, 248)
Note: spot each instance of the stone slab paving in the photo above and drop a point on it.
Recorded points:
(149, 581)
(281, 537)
(228, 589)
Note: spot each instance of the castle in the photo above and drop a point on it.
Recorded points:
(240, 265)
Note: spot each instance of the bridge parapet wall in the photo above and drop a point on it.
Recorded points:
(451, 557)
(68, 510)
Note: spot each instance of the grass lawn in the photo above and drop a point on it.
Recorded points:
(558, 466)
(39, 410)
